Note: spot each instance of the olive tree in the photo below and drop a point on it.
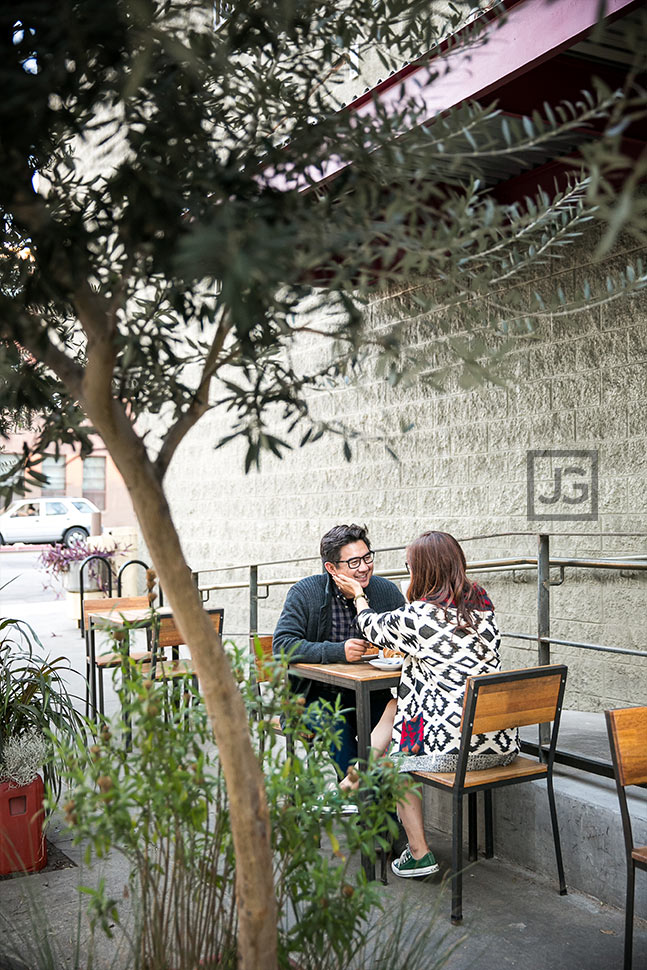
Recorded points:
(166, 213)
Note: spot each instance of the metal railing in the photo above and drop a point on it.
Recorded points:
(542, 562)
(107, 582)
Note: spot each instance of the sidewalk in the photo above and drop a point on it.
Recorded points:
(510, 919)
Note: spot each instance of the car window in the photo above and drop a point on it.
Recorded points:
(29, 508)
(82, 506)
(55, 508)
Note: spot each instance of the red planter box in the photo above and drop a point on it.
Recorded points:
(22, 844)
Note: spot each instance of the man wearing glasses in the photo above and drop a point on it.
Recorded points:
(318, 625)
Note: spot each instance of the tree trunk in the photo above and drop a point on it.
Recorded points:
(257, 934)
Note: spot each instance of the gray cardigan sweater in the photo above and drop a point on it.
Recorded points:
(306, 618)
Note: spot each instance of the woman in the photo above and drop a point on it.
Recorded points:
(447, 632)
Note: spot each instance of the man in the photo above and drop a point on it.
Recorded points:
(319, 621)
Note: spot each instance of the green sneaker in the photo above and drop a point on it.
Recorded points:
(410, 868)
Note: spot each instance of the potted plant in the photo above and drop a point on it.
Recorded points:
(63, 563)
(35, 703)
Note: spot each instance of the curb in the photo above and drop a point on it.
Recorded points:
(25, 547)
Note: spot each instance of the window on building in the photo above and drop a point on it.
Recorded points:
(54, 468)
(94, 481)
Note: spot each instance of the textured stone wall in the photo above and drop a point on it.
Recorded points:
(577, 383)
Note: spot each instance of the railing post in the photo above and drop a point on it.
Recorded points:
(543, 600)
(253, 599)
(543, 615)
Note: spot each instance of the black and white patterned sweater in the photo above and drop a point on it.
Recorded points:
(439, 658)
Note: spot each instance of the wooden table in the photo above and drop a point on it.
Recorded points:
(363, 679)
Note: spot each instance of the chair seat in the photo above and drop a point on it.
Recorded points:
(275, 722)
(170, 669)
(520, 768)
(115, 659)
(639, 855)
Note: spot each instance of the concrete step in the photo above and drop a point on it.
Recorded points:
(588, 813)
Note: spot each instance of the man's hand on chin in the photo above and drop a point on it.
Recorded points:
(355, 650)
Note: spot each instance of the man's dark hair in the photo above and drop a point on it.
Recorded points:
(339, 536)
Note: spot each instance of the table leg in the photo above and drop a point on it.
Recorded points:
(92, 669)
(363, 706)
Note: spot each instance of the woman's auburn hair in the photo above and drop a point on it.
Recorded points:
(438, 575)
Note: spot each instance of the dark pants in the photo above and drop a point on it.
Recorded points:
(346, 726)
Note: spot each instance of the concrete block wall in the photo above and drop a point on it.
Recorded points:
(577, 383)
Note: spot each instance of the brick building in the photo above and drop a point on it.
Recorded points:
(95, 477)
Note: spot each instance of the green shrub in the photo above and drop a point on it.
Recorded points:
(161, 800)
(35, 703)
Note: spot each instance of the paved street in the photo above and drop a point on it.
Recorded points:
(27, 581)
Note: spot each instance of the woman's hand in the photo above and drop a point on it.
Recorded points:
(348, 586)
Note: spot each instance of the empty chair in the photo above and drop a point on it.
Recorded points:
(494, 702)
(260, 647)
(166, 634)
(97, 664)
(628, 739)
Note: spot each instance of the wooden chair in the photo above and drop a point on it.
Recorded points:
(494, 702)
(167, 635)
(627, 730)
(260, 648)
(97, 664)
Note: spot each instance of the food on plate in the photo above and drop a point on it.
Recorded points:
(387, 652)
(371, 651)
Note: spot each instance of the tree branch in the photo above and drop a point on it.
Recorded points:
(200, 403)
(34, 337)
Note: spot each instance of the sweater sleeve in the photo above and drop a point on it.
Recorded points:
(423, 629)
(403, 629)
(290, 635)
(395, 630)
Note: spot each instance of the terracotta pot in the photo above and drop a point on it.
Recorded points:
(22, 843)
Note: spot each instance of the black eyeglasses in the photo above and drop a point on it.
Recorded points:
(356, 560)
(407, 567)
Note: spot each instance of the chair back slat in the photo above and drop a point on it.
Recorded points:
(628, 736)
(169, 633)
(532, 699)
(115, 603)
(264, 641)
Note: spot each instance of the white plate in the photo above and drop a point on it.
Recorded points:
(386, 663)
(369, 656)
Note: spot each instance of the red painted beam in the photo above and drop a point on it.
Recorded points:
(532, 32)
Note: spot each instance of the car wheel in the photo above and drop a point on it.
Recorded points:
(76, 534)
(1, 540)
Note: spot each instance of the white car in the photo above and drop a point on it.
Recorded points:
(47, 520)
